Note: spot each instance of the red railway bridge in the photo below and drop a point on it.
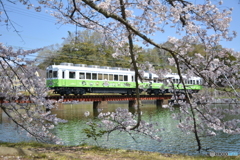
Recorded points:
(97, 100)
(108, 97)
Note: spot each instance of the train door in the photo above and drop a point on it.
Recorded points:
(133, 78)
(65, 75)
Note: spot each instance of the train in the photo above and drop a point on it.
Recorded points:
(79, 79)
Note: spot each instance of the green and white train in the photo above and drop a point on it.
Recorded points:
(79, 79)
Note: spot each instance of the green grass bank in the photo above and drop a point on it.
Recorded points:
(29, 151)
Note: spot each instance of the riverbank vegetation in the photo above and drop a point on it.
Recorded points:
(35, 150)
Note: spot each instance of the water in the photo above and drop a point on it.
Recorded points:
(173, 140)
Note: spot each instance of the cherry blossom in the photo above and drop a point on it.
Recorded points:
(19, 83)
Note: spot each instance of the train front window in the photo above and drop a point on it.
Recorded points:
(49, 74)
(55, 74)
(72, 74)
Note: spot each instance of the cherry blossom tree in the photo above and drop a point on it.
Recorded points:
(19, 85)
(202, 22)
(128, 22)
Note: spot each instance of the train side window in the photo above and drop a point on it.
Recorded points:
(55, 74)
(100, 76)
(105, 76)
(110, 77)
(120, 77)
(197, 81)
(125, 78)
(165, 81)
(115, 77)
(81, 75)
(88, 76)
(155, 80)
(190, 81)
(94, 76)
(193, 81)
(72, 74)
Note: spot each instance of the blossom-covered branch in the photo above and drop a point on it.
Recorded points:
(18, 83)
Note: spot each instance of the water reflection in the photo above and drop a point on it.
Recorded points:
(173, 140)
(9, 132)
(1, 116)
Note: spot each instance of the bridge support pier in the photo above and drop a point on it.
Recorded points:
(132, 103)
(0, 115)
(159, 103)
(132, 106)
(97, 105)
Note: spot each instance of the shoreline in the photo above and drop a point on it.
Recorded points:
(34, 150)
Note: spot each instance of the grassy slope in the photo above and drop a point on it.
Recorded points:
(46, 151)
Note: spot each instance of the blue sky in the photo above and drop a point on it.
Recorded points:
(40, 29)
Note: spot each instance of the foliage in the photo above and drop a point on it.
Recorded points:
(16, 80)
(93, 131)
(121, 120)
(46, 56)
(84, 48)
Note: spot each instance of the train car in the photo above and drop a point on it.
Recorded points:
(68, 78)
(79, 79)
(193, 84)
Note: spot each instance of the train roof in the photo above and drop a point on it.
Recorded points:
(84, 67)
(174, 75)
(107, 69)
